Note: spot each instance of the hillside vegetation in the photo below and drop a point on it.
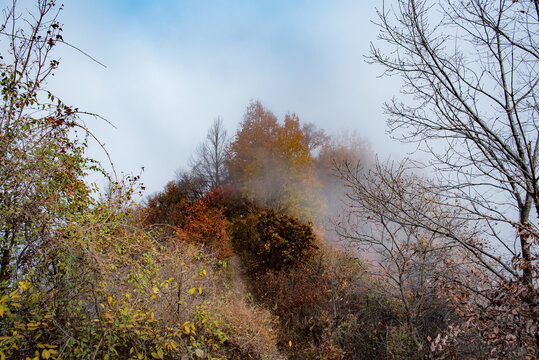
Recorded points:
(280, 242)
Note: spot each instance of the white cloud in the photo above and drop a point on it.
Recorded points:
(170, 71)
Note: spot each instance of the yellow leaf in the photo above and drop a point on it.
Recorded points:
(152, 317)
(192, 291)
(290, 343)
(24, 285)
(109, 299)
(173, 345)
(45, 354)
(200, 290)
(158, 354)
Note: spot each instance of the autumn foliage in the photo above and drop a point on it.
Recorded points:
(204, 225)
(284, 240)
(271, 241)
(274, 165)
(168, 206)
(224, 262)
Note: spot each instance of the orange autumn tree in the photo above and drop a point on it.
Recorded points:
(273, 163)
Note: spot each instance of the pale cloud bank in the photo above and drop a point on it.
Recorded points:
(173, 66)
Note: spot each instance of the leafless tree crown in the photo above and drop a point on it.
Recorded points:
(211, 155)
(470, 72)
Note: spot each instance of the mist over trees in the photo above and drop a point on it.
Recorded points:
(237, 258)
(274, 164)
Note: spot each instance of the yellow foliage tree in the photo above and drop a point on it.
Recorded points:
(273, 164)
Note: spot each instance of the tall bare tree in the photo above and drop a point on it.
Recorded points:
(470, 71)
(211, 155)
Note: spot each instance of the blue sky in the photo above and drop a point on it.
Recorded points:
(173, 66)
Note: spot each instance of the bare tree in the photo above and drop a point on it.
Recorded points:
(211, 155)
(470, 79)
(470, 71)
(392, 216)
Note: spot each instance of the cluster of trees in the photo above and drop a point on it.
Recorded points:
(286, 166)
(231, 260)
(470, 69)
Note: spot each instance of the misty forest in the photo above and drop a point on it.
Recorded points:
(281, 240)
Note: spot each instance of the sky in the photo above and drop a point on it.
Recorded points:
(172, 67)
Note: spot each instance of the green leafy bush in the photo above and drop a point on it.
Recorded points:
(109, 290)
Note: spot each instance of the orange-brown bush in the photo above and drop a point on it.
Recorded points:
(230, 200)
(205, 226)
(183, 212)
(168, 206)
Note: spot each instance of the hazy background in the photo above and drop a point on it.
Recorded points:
(173, 66)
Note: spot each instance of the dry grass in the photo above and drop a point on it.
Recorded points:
(250, 327)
